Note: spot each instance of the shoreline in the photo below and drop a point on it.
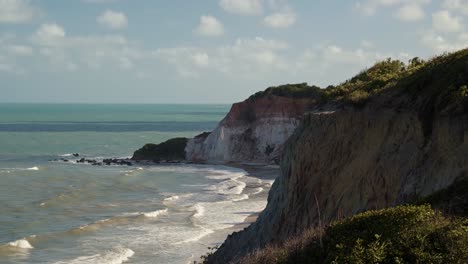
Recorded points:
(260, 171)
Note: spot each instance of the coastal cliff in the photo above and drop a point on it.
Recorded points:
(393, 135)
(254, 131)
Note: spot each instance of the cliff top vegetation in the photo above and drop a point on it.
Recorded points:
(447, 73)
(404, 234)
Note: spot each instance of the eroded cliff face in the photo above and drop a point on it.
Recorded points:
(253, 131)
(348, 160)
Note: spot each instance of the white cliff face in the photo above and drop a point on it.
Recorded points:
(257, 142)
(254, 131)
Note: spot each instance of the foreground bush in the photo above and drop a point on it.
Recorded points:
(404, 234)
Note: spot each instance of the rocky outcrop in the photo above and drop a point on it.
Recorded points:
(408, 142)
(253, 131)
(172, 150)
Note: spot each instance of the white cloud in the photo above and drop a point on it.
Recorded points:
(20, 50)
(49, 34)
(456, 5)
(209, 26)
(16, 11)
(280, 19)
(245, 58)
(113, 19)
(410, 12)
(243, 7)
(443, 21)
(440, 44)
(94, 52)
(201, 59)
(367, 44)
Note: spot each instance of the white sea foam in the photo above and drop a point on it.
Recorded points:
(114, 256)
(204, 232)
(21, 243)
(257, 190)
(8, 170)
(232, 186)
(66, 155)
(269, 183)
(172, 198)
(199, 210)
(240, 198)
(155, 213)
(226, 175)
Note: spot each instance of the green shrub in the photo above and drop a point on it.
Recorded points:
(463, 91)
(358, 97)
(403, 234)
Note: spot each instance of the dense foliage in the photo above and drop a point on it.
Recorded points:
(171, 150)
(298, 90)
(404, 234)
(447, 74)
(452, 200)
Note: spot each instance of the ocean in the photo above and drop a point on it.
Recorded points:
(52, 211)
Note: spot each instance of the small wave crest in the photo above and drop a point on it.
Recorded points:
(172, 198)
(199, 210)
(232, 186)
(114, 256)
(240, 198)
(117, 220)
(20, 243)
(257, 190)
(203, 233)
(8, 170)
(155, 213)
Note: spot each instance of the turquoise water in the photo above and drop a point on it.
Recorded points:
(64, 212)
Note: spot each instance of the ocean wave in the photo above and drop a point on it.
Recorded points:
(241, 197)
(268, 183)
(172, 198)
(117, 220)
(232, 186)
(8, 170)
(257, 190)
(199, 210)
(204, 232)
(226, 175)
(20, 243)
(116, 255)
(155, 213)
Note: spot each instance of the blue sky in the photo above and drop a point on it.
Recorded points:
(208, 51)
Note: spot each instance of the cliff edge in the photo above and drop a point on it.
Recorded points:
(400, 133)
(254, 131)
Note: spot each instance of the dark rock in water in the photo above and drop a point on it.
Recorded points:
(76, 155)
(65, 160)
(171, 150)
(82, 160)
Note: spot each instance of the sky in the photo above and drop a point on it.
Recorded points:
(208, 51)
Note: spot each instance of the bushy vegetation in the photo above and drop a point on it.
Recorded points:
(299, 90)
(446, 74)
(404, 234)
(171, 150)
(452, 200)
